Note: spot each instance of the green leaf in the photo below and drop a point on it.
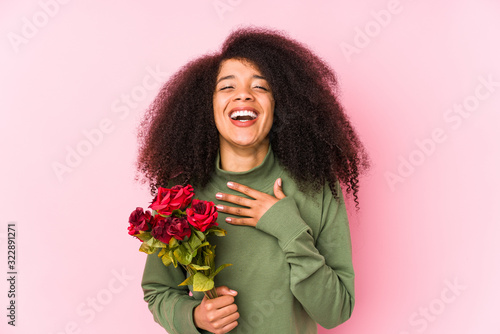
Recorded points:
(209, 250)
(199, 234)
(198, 258)
(166, 260)
(197, 267)
(146, 248)
(153, 243)
(209, 256)
(187, 281)
(194, 242)
(202, 282)
(206, 243)
(162, 252)
(149, 242)
(158, 243)
(188, 247)
(220, 232)
(172, 257)
(219, 269)
(173, 243)
(183, 255)
(144, 236)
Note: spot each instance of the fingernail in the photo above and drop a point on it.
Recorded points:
(220, 207)
(233, 292)
(230, 184)
(218, 195)
(279, 182)
(228, 219)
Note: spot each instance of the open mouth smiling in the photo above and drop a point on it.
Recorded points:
(243, 115)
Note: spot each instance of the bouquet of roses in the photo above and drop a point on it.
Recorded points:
(178, 227)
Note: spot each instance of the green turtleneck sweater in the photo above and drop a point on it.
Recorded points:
(291, 271)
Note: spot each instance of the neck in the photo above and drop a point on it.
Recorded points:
(236, 159)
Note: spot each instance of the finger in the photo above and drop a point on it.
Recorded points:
(241, 221)
(278, 189)
(219, 303)
(244, 189)
(223, 313)
(224, 290)
(234, 211)
(229, 322)
(231, 326)
(234, 199)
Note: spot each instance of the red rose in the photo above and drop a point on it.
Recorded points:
(139, 221)
(178, 228)
(202, 215)
(168, 200)
(159, 231)
(132, 230)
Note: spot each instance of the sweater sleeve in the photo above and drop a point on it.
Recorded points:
(171, 305)
(321, 272)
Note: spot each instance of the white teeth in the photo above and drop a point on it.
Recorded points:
(238, 113)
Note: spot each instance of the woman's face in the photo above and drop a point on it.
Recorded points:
(243, 105)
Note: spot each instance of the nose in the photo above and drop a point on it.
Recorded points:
(243, 94)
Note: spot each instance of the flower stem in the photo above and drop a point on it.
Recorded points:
(211, 294)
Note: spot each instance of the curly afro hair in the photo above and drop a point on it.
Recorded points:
(311, 135)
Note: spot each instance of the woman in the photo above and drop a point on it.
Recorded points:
(257, 129)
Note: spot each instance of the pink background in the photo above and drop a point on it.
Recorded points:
(425, 249)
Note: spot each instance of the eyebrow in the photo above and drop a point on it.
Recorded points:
(232, 77)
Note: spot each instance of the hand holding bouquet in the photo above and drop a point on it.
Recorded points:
(178, 227)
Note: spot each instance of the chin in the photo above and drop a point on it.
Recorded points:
(245, 142)
(253, 143)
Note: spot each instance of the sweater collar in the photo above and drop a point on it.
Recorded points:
(260, 177)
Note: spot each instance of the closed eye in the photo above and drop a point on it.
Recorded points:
(260, 87)
(226, 87)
